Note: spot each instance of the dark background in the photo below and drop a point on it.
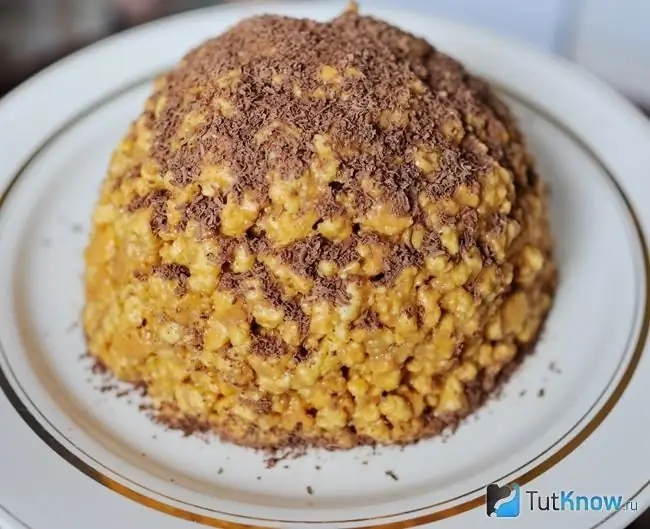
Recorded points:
(36, 33)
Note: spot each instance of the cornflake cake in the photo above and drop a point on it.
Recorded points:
(324, 234)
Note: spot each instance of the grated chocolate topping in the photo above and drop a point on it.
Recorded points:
(157, 201)
(268, 346)
(174, 272)
(485, 116)
(205, 210)
(331, 289)
(272, 291)
(271, 124)
(265, 47)
(370, 320)
(304, 255)
(399, 258)
(468, 228)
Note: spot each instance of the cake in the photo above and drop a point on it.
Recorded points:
(319, 234)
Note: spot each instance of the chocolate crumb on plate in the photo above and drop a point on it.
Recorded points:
(99, 367)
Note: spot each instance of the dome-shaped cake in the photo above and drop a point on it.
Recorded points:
(324, 234)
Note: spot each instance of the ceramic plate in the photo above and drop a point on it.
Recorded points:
(573, 418)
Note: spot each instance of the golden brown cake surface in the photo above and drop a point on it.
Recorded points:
(318, 233)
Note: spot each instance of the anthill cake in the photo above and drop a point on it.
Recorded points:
(324, 234)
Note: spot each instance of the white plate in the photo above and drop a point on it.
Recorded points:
(72, 457)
